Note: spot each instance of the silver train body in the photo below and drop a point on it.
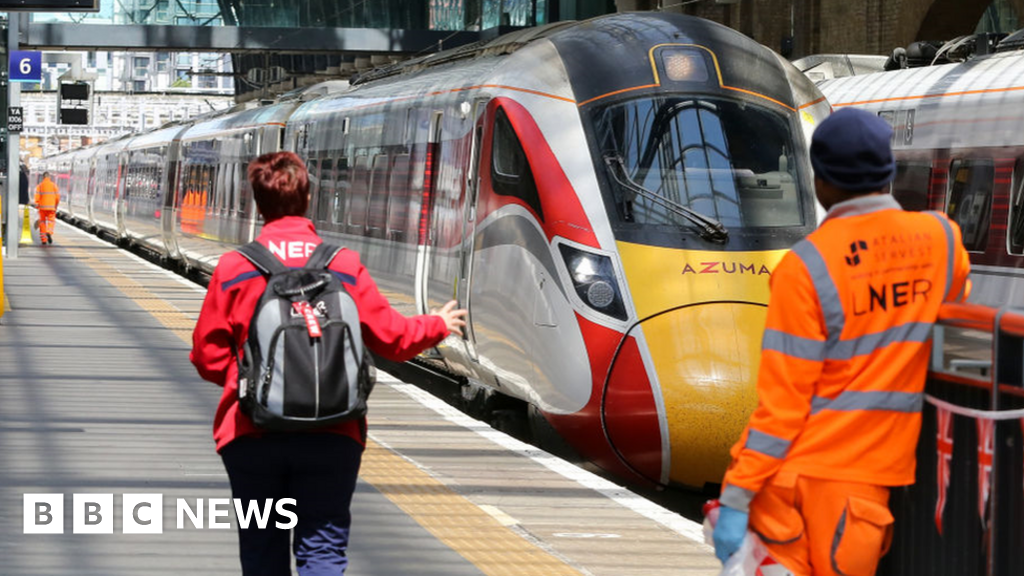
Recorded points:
(607, 198)
(959, 145)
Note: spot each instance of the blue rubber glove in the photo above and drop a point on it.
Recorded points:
(729, 532)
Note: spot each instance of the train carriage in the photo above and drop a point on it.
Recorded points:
(106, 188)
(76, 203)
(959, 146)
(148, 165)
(211, 210)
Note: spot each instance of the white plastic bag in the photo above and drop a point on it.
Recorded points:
(752, 559)
(747, 560)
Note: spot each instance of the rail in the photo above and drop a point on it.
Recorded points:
(965, 513)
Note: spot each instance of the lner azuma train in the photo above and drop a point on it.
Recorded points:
(959, 146)
(607, 198)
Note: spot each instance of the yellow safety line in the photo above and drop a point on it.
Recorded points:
(454, 520)
(7, 303)
(165, 312)
(475, 535)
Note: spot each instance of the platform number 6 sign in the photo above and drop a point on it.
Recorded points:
(26, 66)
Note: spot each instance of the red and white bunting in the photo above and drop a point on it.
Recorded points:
(944, 447)
(986, 433)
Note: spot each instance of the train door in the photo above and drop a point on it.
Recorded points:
(169, 188)
(425, 230)
(464, 286)
(120, 193)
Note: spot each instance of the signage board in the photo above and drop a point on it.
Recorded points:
(15, 118)
(26, 66)
(49, 5)
(74, 116)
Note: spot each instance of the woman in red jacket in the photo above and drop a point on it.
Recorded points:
(318, 469)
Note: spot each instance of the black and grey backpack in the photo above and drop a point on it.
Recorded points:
(303, 364)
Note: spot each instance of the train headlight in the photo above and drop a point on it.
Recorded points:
(593, 278)
(684, 65)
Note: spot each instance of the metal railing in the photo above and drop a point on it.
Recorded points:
(948, 523)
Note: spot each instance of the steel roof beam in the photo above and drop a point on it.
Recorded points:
(121, 37)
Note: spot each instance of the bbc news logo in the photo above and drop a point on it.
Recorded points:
(144, 513)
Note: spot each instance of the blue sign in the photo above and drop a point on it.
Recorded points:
(26, 66)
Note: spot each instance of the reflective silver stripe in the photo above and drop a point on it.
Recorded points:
(795, 346)
(828, 294)
(767, 444)
(836, 539)
(950, 250)
(868, 343)
(736, 498)
(850, 400)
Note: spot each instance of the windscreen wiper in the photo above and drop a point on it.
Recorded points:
(710, 229)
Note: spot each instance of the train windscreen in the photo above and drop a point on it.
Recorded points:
(705, 162)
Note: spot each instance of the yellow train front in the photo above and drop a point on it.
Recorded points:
(698, 139)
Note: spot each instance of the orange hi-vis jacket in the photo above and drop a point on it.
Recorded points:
(846, 348)
(47, 195)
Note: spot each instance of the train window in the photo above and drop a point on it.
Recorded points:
(401, 197)
(324, 179)
(313, 170)
(970, 200)
(321, 204)
(1016, 231)
(734, 162)
(376, 217)
(227, 181)
(341, 186)
(911, 183)
(510, 171)
(359, 190)
(227, 176)
(244, 190)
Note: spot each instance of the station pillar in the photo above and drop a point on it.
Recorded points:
(13, 231)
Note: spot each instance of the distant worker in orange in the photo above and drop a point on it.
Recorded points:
(47, 199)
(843, 364)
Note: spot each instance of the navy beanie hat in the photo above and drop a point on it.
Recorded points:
(851, 150)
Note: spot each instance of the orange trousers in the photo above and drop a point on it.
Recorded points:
(47, 220)
(823, 527)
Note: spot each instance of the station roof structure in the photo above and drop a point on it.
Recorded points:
(285, 44)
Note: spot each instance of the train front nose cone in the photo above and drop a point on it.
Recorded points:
(706, 358)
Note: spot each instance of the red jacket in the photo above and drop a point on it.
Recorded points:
(235, 288)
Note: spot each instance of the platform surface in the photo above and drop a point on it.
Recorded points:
(97, 396)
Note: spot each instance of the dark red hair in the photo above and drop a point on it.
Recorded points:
(280, 185)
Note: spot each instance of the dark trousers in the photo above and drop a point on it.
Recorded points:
(319, 471)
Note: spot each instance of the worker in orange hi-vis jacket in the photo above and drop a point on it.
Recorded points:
(843, 365)
(47, 199)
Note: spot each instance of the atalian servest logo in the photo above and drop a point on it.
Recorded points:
(856, 248)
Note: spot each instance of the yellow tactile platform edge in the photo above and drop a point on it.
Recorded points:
(454, 520)
(475, 535)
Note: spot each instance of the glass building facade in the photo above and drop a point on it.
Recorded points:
(155, 12)
(395, 14)
(999, 17)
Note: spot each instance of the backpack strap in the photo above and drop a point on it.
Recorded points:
(322, 256)
(262, 259)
